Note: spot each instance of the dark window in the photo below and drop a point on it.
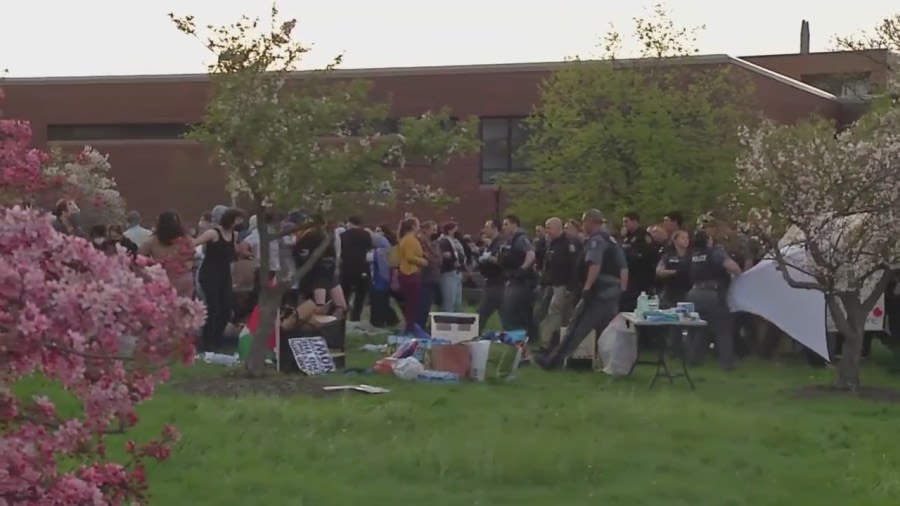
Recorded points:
(389, 126)
(852, 85)
(117, 132)
(501, 143)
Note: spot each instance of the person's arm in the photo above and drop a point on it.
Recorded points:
(205, 237)
(411, 250)
(727, 262)
(530, 255)
(732, 267)
(661, 270)
(246, 248)
(623, 272)
(593, 254)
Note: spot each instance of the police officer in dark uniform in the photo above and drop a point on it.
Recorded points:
(642, 257)
(557, 278)
(604, 273)
(492, 272)
(517, 260)
(711, 271)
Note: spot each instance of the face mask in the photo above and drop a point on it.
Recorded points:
(99, 240)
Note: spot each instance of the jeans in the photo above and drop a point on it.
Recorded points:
(451, 292)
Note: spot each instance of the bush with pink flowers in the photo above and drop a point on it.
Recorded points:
(105, 328)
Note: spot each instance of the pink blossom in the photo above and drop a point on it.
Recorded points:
(66, 314)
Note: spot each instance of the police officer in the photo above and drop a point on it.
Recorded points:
(489, 267)
(711, 271)
(517, 260)
(642, 257)
(604, 274)
(558, 276)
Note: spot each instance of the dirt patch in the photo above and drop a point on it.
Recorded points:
(877, 394)
(271, 385)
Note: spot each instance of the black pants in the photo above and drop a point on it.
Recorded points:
(217, 294)
(712, 306)
(491, 302)
(382, 314)
(355, 284)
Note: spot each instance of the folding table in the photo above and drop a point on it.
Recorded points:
(674, 329)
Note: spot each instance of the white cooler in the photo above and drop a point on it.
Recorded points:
(454, 327)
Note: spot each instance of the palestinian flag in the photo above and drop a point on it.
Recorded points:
(245, 339)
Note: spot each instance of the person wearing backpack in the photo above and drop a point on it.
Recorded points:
(382, 314)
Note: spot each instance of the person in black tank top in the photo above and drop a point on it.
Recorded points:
(215, 276)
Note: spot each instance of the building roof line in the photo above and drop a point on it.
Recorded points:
(709, 59)
(821, 54)
(789, 81)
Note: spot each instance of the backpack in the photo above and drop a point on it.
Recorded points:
(393, 257)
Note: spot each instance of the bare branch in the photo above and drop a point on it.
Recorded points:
(784, 266)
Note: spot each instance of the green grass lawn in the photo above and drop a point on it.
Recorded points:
(566, 438)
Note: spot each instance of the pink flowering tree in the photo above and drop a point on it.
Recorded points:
(317, 141)
(104, 328)
(839, 198)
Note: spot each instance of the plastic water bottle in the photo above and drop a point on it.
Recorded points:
(221, 359)
(653, 303)
(643, 303)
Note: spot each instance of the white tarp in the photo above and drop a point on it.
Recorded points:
(763, 291)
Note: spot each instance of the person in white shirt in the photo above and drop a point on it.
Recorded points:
(135, 232)
(253, 242)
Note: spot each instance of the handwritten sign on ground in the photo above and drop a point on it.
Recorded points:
(311, 355)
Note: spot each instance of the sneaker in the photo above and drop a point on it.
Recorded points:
(544, 363)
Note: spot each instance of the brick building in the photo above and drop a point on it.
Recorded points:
(139, 120)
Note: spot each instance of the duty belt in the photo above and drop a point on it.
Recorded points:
(709, 285)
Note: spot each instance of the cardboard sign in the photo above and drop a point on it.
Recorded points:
(311, 355)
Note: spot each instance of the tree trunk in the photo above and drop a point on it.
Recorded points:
(849, 317)
(268, 302)
(270, 297)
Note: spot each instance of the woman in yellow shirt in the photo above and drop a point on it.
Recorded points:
(410, 260)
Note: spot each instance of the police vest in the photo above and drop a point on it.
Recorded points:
(704, 269)
(610, 264)
(512, 258)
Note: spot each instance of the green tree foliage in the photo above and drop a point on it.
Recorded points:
(650, 135)
(315, 141)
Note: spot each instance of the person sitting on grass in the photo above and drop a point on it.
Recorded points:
(307, 315)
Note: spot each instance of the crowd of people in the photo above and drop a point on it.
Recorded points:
(575, 274)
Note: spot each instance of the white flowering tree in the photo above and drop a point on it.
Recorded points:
(839, 196)
(315, 141)
(86, 177)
